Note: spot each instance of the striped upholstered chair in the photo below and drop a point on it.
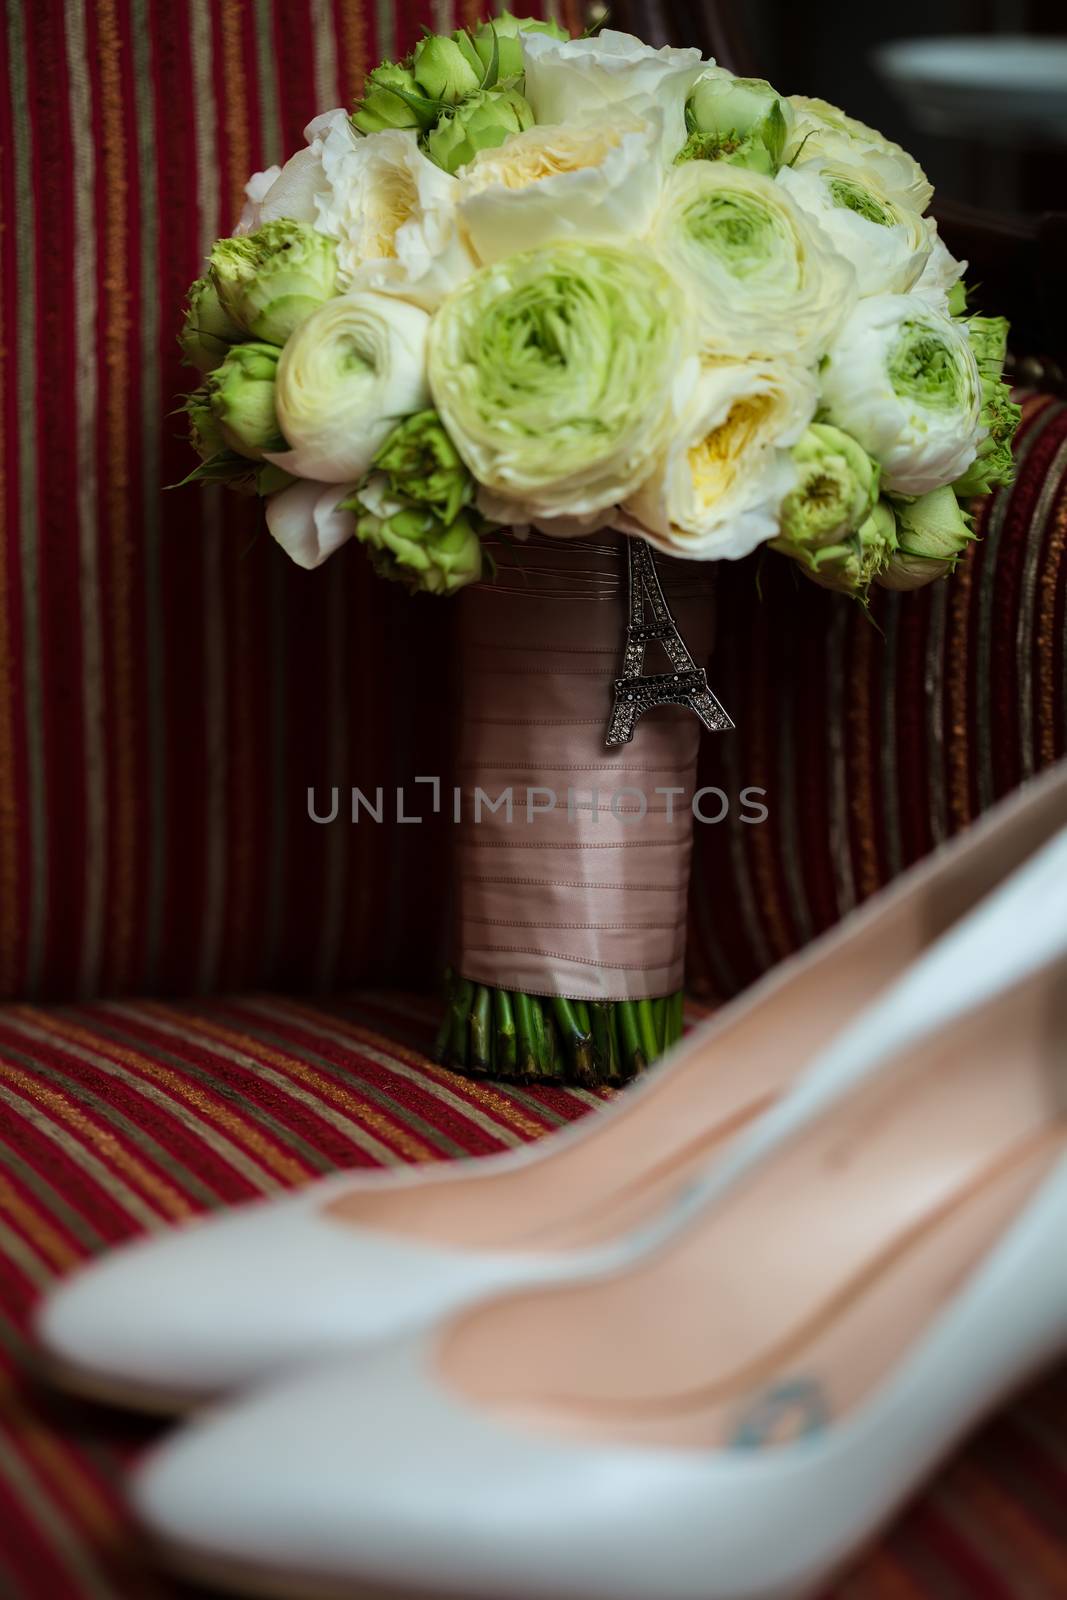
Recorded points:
(206, 994)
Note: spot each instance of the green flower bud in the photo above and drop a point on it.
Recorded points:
(410, 543)
(423, 464)
(478, 46)
(994, 465)
(241, 393)
(205, 434)
(931, 533)
(851, 566)
(208, 331)
(443, 71)
(380, 107)
(740, 120)
(989, 341)
(482, 122)
(270, 280)
(836, 491)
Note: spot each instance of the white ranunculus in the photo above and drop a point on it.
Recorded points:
(600, 179)
(823, 131)
(568, 80)
(903, 380)
(886, 242)
(941, 272)
(717, 490)
(393, 214)
(760, 277)
(348, 374)
(307, 523)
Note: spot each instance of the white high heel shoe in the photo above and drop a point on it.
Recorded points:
(865, 1275)
(166, 1322)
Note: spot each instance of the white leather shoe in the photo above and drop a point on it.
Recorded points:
(227, 1301)
(732, 1414)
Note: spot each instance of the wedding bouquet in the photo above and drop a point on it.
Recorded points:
(537, 289)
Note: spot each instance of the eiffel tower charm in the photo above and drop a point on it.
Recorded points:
(648, 620)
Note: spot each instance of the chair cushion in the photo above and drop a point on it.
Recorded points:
(125, 1117)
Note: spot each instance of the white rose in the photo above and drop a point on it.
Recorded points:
(595, 180)
(886, 242)
(349, 373)
(307, 522)
(290, 191)
(393, 214)
(940, 273)
(717, 490)
(902, 379)
(822, 130)
(760, 278)
(570, 79)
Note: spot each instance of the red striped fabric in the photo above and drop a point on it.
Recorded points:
(875, 735)
(123, 1117)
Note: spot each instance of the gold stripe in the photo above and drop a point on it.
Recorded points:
(235, 103)
(181, 1088)
(63, 1541)
(86, 400)
(59, 1105)
(32, 1226)
(1045, 639)
(354, 63)
(179, 1032)
(359, 1109)
(348, 1033)
(122, 716)
(43, 1119)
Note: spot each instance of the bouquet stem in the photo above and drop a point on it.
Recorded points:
(525, 1038)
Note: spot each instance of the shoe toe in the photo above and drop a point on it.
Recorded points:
(230, 1301)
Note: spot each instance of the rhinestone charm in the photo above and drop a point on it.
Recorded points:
(649, 620)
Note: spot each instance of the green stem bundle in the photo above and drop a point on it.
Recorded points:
(525, 1038)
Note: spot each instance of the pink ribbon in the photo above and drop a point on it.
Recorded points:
(554, 899)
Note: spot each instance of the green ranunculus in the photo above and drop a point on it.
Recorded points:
(270, 280)
(481, 122)
(932, 531)
(989, 341)
(835, 493)
(741, 120)
(853, 565)
(205, 434)
(477, 45)
(423, 464)
(408, 542)
(994, 465)
(241, 393)
(380, 106)
(552, 371)
(209, 330)
(443, 71)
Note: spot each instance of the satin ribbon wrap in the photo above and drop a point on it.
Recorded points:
(557, 901)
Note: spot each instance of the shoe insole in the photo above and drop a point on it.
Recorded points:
(781, 1307)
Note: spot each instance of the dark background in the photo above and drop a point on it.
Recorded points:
(826, 48)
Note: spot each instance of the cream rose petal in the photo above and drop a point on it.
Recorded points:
(717, 489)
(597, 180)
(307, 523)
(393, 214)
(567, 80)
